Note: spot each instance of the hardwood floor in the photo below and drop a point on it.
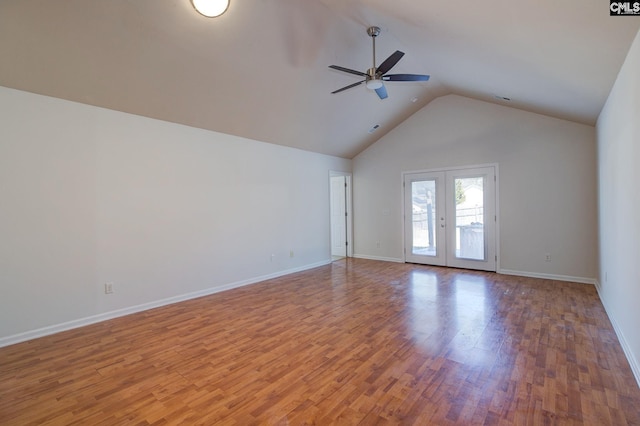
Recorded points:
(355, 342)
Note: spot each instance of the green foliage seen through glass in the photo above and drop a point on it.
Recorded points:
(460, 195)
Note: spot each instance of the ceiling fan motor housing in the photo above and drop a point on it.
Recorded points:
(373, 79)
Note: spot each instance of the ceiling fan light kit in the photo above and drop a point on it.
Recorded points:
(375, 76)
(210, 8)
(374, 83)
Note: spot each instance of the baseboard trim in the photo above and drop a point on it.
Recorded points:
(581, 280)
(626, 348)
(81, 322)
(383, 259)
(599, 289)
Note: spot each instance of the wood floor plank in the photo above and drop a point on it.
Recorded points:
(354, 342)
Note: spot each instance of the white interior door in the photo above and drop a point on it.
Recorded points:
(340, 206)
(450, 218)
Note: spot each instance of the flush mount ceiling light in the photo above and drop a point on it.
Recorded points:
(210, 8)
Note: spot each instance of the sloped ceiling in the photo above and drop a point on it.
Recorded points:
(260, 71)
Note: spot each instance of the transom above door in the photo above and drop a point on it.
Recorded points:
(450, 217)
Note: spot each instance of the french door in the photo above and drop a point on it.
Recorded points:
(450, 218)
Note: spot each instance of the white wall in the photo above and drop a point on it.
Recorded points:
(163, 211)
(619, 160)
(547, 183)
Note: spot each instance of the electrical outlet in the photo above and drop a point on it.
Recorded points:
(547, 257)
(291, 253)
(378, 244)
(272, 257)
(108, 288)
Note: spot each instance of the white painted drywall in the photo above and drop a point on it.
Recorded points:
(89, 195)
(618, 131)
(547, 182)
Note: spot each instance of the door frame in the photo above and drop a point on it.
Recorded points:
(348, 212)
(445, 169)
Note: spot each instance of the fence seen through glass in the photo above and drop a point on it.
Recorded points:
(423, 197)
(469, 217)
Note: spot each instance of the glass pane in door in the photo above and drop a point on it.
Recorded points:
(469, 217)
(423, 202)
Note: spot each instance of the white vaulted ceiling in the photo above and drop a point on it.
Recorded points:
(261, 70)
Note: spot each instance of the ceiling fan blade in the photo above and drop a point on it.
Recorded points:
(390, 62)
(382, 92)
(405, 77)
(350, 71)
(348, 87)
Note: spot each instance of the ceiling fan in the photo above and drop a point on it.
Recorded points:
(374, 77)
